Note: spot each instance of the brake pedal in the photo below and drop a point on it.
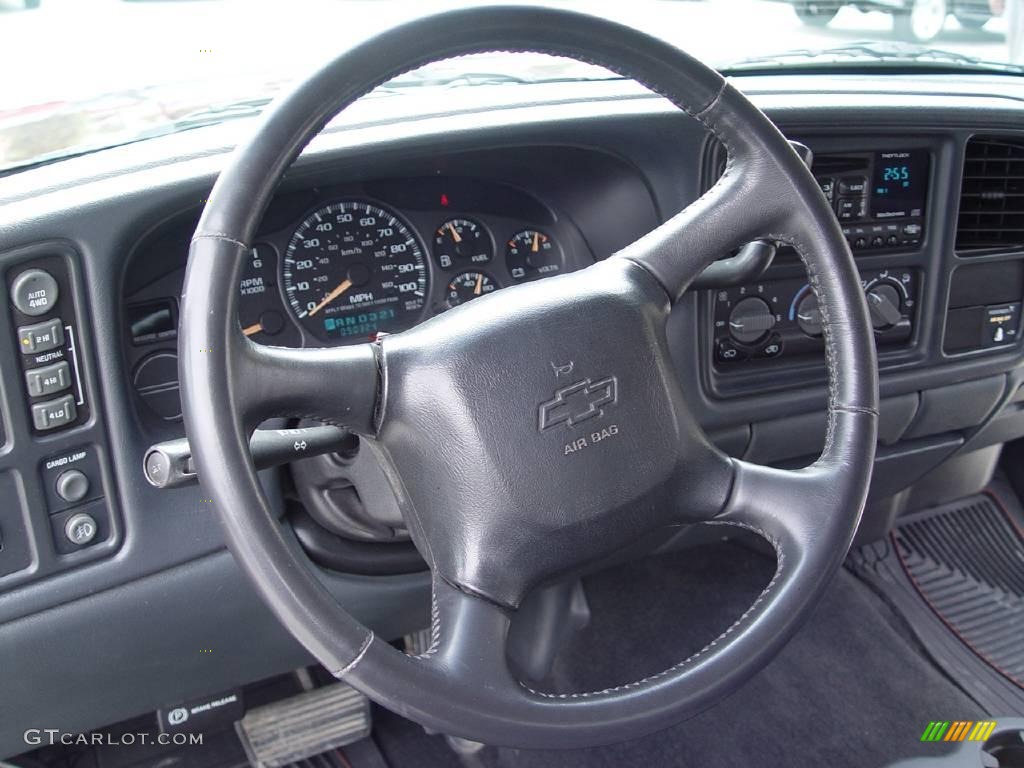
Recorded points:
(309, 724)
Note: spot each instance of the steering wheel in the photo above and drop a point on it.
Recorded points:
(537, 430)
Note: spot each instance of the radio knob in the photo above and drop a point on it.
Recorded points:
(808, 315)
(884, 303)
(750, 320)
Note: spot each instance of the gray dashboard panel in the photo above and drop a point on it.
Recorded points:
(192, 630)
(120, 637)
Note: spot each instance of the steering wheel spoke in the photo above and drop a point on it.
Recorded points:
(469, 640)
(333, 385)
(750, 201)
(795, 509)
(782, 506)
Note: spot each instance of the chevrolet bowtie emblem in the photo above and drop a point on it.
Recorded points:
(578, 402)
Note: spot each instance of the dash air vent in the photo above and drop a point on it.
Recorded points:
(992, 196)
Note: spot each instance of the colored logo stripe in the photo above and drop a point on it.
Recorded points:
(982, 730)
(958, 730)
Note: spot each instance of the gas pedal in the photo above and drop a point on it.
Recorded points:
(310, 726)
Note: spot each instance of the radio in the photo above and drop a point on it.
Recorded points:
(878, 197)
(780, 318)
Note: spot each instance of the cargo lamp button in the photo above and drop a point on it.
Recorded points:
(72, 485)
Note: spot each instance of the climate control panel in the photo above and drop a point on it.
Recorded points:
(781, 319)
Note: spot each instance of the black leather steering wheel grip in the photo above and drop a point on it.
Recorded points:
(536, 431)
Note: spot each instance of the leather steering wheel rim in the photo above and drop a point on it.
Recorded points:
(572, 511)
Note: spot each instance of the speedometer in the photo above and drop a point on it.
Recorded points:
(353, 269)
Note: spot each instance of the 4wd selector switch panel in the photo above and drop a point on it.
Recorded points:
(44, 315)
(780, 318)
(57, 511)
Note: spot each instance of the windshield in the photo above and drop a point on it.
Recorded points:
(79, 75)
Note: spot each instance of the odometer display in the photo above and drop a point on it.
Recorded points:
(352, 270)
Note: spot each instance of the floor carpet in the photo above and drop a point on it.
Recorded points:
(849, 690)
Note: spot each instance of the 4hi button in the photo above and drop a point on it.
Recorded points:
(34, 292)
(72, 485)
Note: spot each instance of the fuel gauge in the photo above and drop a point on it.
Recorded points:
(531, 255)
(462, 243)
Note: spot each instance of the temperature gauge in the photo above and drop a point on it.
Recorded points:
(532, 254)
(468, 286)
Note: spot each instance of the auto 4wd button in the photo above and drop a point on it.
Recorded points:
(34, 292)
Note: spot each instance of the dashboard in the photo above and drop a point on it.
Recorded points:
(344, 264)
(348, 263)
(385, 222)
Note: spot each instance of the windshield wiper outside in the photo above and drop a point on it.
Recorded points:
(870, 57)
(426, 78)
(217, 113)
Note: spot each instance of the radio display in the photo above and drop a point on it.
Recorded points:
(899, 185)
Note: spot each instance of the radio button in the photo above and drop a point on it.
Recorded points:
(850, 208)
(853, 185)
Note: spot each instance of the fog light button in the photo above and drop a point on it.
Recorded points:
(81, 529)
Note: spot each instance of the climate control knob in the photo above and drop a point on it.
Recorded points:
(884, 303)
(808, 315)
(750, 320)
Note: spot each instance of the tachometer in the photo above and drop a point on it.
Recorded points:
(353, 269)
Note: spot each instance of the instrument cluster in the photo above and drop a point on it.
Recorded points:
(381, 258)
